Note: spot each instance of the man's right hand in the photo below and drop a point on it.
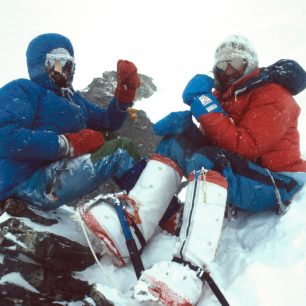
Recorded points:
(200, 84)
(127, 81)
(83, 142)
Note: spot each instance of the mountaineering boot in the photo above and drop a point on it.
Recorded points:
(145, 204)
(179, 283)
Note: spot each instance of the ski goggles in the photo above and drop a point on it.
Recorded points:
(236, 63)
(60, 62)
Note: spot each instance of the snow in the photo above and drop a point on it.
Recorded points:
(261, 259)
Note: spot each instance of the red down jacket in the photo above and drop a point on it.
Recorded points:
(262, 126)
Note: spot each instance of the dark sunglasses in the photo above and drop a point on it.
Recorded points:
(236, 63)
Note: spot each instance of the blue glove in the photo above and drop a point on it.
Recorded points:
(173, 124)
(205, 104)
(198, 85)
(198, 95)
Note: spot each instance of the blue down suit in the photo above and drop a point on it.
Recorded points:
(33, 113)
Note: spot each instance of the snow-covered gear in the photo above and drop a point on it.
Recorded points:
(60, 67)
(198, 95)
(173, 283)
(36, 55)
(287, 73)
(237, 46)
(72, 178)
(145, 205)
(168, 283)
(33, 113)
(127, 81)
(202, 217)
(85, 141)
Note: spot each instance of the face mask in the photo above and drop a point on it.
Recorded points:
(60, 67)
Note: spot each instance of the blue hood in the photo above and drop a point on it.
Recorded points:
(36, 56)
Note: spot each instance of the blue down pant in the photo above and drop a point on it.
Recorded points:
(250, 186)
(69, 179)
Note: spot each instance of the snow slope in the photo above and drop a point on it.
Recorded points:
(261, 261)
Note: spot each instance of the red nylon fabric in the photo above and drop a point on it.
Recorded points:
(262, 126)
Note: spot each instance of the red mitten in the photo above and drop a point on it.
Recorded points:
(85, 141)
(127, 81)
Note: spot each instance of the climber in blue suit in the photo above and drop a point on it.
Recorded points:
(52, 148)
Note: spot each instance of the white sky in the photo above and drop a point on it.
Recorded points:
(172, 36)
(169, 40)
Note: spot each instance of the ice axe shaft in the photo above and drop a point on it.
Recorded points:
(130, 242)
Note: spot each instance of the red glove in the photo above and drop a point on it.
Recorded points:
(127, 81)
(85, 141)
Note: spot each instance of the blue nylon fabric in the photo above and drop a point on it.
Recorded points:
(33, 115)
(76, 178)
(198, 94)
(173, 124)
(36, 56)
(250, 185)
(200, 84)
(205, 104)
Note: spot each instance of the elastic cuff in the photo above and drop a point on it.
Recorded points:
(64, 147)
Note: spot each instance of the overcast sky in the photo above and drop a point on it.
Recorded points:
(163, 35)
(169, 40)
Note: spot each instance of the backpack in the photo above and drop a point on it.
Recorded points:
(287, 73)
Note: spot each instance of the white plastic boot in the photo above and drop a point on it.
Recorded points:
(178, 284)
(147, 202)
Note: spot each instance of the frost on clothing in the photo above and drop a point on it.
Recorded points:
(237, 46)
(70, 179)
(33, 114)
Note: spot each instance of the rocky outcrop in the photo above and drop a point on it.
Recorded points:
(101, 91)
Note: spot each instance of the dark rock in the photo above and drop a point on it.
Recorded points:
(101, 90)
(17, 208)
(99, 298)
(48, 249)
(13, 295)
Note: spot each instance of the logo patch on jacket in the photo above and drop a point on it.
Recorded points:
(205, 101)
